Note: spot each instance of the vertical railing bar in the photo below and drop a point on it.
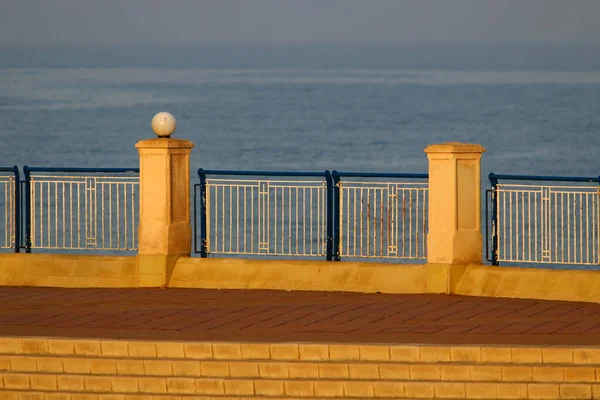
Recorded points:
(230, 212)
(561, 211)
(381, 220)
(63, 213)
(569, 217)
(296, 207)
(133, 211)
(349, 193)
(289, 219)
(410, 222)
(510, 222)
(79, 213)
(102, 195)
(587, 228)
(252, 190)
(223, 190)
(282, 233)
(558, 202)
(417, 230)
(310, 227)
(304, 221)
(118, 219)
(374, 224)
(580, 228)
(522, 225)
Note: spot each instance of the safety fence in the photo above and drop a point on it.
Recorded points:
(544, 219)
(81, 208)
(306, 214)
(381, 218)
(69, 208)
(9, 206)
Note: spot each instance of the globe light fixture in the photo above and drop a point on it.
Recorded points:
(164, 124)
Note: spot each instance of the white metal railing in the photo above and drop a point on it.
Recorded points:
(83, 212)
(547, 224)
(274, 217)
(383, 219)
(8, 189)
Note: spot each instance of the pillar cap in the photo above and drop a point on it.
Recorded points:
(164, 143)
(455, 147)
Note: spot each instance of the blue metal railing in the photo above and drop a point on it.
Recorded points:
(379, 216)
(262, 216)
(80, 208)
(280, 216)
(544, 223)
(11, 210)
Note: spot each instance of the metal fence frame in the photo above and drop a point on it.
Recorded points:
(28, 193)
(376, 186)
(545, 221)
(202, 188)
(334, 190)
(12, 208)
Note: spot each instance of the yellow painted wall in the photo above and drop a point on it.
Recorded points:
(534, 283)
(229, 273)
(364, 277)
(67, 270)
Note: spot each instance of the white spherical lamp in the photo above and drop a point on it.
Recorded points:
(164, 124)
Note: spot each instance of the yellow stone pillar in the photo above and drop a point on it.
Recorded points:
(454, 238)
(164, 232)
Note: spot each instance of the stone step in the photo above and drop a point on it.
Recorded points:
(265, 369)
(295, 388)
(358, 388)
(84, 369)
(302, 351)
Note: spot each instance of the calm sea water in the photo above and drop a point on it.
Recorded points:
(536, 108)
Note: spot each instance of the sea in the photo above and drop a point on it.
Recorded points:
(366, 108)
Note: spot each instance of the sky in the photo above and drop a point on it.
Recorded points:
(295, 22)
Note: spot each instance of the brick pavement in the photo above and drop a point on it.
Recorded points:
(278, 316)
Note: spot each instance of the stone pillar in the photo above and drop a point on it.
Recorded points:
(164, 233)
(454, 236)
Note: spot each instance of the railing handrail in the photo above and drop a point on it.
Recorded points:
(28, 169)
(8, 169)
(205, 172)
(377, 175)
(495, 177)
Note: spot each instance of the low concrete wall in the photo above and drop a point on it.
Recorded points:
(532, 283)
(364, 277)
(61, 270)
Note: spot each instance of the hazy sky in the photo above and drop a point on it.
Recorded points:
(295, 21)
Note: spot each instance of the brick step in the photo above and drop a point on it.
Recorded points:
(158, 386)
(520, 373)
(301, 351)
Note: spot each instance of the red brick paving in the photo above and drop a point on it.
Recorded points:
(261, 315)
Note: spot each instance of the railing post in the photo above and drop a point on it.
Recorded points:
(495, 237)
(17, 210)
(598, 222)
(164, 233)
(336, 223)
(203, 240)
(330, 217)
(27, 209)
(454, 238)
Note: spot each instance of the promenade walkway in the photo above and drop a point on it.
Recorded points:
(275, 316)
